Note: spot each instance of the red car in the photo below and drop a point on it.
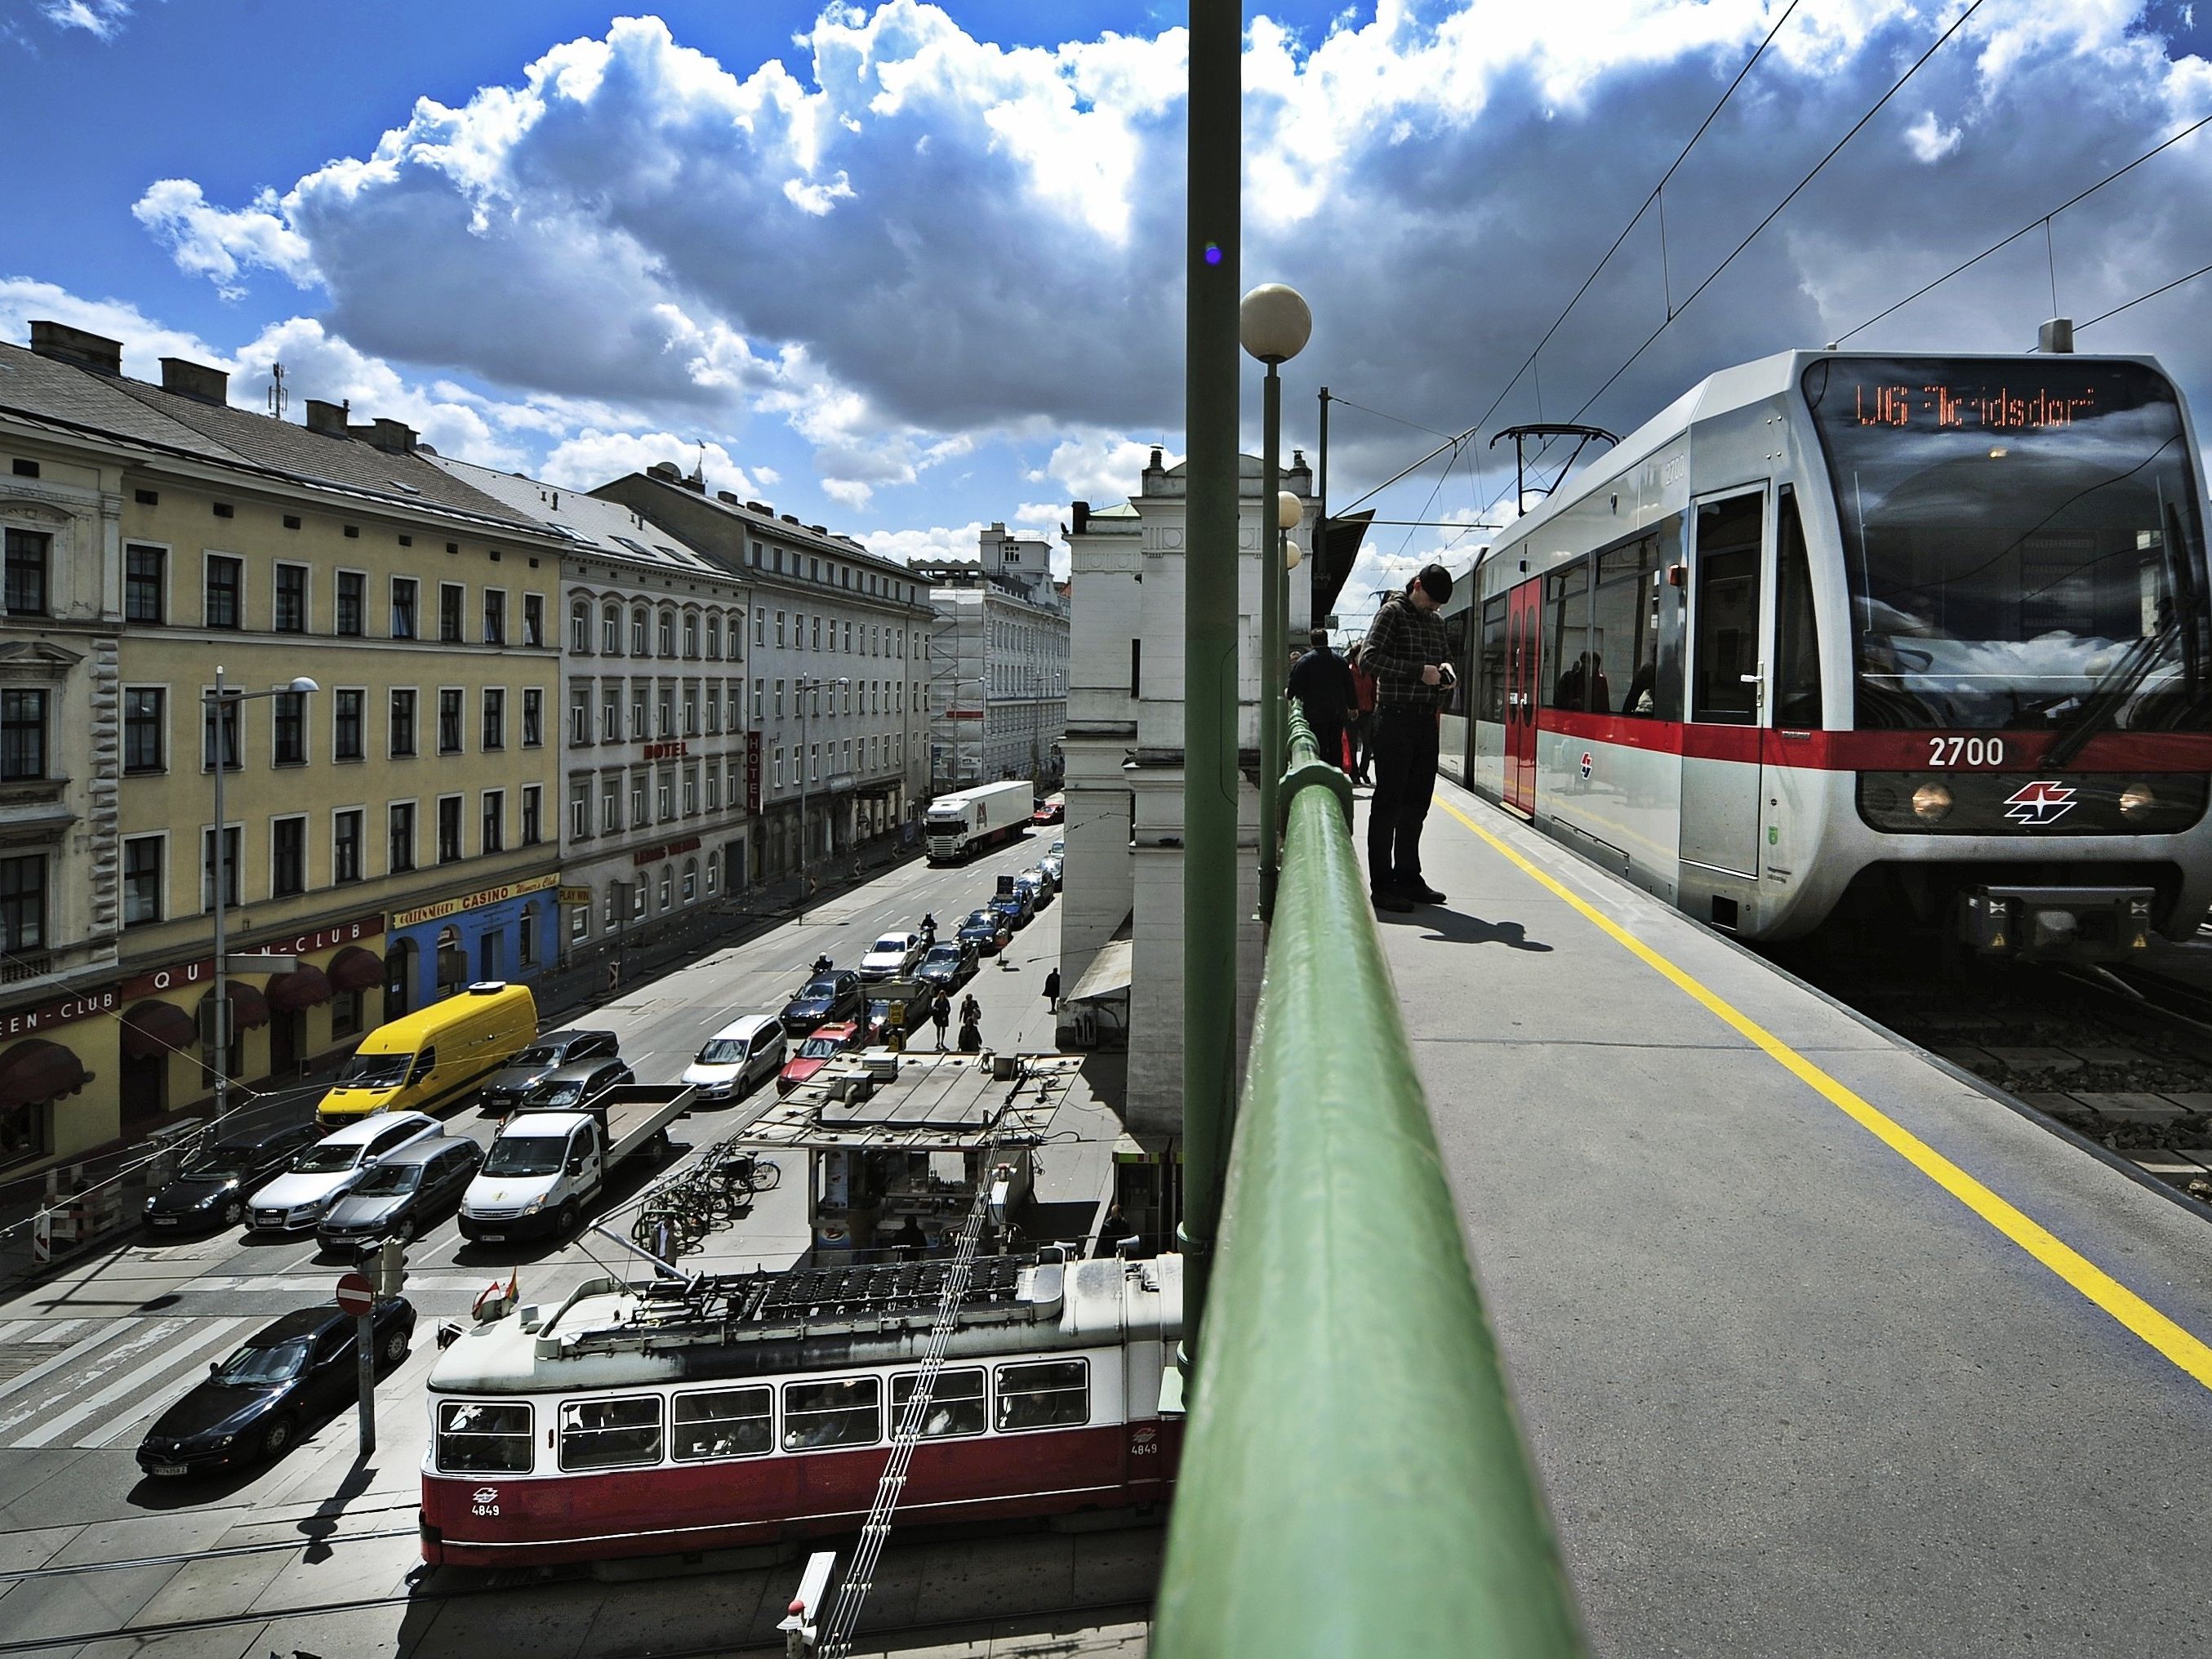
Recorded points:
(1052, 811)
(827, 1043)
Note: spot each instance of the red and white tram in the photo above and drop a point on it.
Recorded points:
(636, 1420)
(1878, 639)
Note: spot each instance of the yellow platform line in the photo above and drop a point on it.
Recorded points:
(2108, 1293)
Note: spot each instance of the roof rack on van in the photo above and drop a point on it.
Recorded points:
(485, 988)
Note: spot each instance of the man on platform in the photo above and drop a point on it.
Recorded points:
(1406, 651)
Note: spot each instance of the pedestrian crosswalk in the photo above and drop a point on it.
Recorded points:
(98, 1382)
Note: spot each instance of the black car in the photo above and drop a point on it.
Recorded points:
(826, 997)
(503, 1090)
(211, 1189)
(950, 964)
(403, 1196)
(983, 929)
(254, 1404)
(573, 1087)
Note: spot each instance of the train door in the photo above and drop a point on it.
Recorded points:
(1721, 783)
(1523, 609)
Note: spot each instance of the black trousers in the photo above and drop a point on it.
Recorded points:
(1329, 738)
(1404, 747)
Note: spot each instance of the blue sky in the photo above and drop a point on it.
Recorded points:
(906, 270)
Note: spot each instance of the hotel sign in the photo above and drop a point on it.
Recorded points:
(185, 975)
(752, 774)
(489, 896)
(651, 854)
(676, 751)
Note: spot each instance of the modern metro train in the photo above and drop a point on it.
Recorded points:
(751, 1408)
(1871, 641)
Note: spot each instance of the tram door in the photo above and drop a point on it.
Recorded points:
(1721, 779)
(1522, 609)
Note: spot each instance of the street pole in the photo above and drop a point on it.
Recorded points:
(1271, 633)
(1320, 512)
(364, 1341)
(221, 1034)
(799, 686)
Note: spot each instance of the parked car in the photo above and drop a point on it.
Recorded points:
(505, 1088)
(576, 1084)
(878, 1027)
(892, 957)
(738, 1056)
(319, 1177)
(254, 1405)
(1055, 869)
(407, 1193)
(834, 995)
(1013, 908)
(211, 1189)
(987, 930)
(827, 1043)
(1051, 810)
(949, 965)
(1038, 885)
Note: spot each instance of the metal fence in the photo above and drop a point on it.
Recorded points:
(1352, 1477)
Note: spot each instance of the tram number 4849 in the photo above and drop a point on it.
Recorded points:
(1966, 751)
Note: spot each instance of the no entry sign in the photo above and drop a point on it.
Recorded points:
(355, 1294)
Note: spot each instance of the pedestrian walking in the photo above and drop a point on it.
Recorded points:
(1407, 650)
(940, 1014)
(1360, 727)
(971, 1011)
(1052, 988)
(971, 1037)
(1323, 687)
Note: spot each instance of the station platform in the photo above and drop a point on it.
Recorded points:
(1820, 1349)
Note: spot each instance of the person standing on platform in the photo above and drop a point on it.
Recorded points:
(1361, 727)
(1323, 685)
(1407, 650)
(1052, 988)
(971, 1011)
(940, 1014)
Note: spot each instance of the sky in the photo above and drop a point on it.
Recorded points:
(906, 270)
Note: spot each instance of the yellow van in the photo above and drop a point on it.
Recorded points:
(424, 1058)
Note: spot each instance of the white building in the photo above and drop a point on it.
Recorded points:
(1125, 764)
(999, 664)
(654, 748)
(838, 657)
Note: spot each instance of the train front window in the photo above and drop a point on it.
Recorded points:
(2021, 542)
(476, 1437)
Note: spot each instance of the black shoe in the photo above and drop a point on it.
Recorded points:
(1389, 901)
(1421, 893)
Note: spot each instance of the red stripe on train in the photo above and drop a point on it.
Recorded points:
(1885, 752)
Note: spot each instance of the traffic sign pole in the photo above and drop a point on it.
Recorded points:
(357, 1295)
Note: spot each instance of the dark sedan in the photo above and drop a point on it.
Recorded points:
(949, 965)
(256, 1403)
(402, 1196)
(987, 930)
(212, 1188)
(1012, 909)
(504, 1089)
(821, 999)
(572, 1088)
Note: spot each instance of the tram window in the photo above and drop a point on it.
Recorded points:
(956, 1402)
(1724, 623)
(846, 1412)
(726, 1423)
(1796, 637)
(1044, 1396)
(1622, 677)
(1566, 654)
(474, 1439)
(607, 1434)
(1491, 665)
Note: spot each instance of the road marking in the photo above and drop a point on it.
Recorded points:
(2178, 1345)
(172, 1356)
(75, 1351)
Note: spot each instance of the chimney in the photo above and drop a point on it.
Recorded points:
(665, 471)
(728, 496)
(789, 518)
(77, 347)
(761, 507)
(2056, 336)
(1082, 523)
(1153, 466)
(195, 380)
(397, 436)
(818, 529)
(327, 418)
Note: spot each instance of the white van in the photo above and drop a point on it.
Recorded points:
(743, 1053)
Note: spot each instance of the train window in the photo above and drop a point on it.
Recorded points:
(956, 1402)
(1490, 666)
(726, 1423)
(1796, 637)
(1621, 676)
(475, 1439)
(608, 1434)
(1048, 1395)
(1724, 621)
(846, 1412)
(1565, 652)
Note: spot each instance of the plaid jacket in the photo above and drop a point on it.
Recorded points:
(1400, 641)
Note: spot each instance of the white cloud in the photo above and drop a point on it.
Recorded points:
(145, 341)
(592, 458)
(103, 18)
(1930, 140)
(908, 546)
(1098, 467)
(220, 243)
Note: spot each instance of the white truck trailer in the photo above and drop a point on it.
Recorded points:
(960, 826)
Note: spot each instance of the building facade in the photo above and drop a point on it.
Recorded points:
(999, 664)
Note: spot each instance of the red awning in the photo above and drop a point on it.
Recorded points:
(158, 1028)
(355, 970)
(34, 1072)
(303, 987)
(248, 1007)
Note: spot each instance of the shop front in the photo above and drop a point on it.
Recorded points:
(511, 931)
(57, 1077)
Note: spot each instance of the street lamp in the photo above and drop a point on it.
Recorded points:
(802, 686)
(223, 699)
(1274, 323)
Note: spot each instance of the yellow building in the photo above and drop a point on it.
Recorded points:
(392, 828)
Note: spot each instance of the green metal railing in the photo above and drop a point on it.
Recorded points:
(1353, 1478)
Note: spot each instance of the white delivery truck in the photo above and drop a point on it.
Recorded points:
(544, 1165)
(959, 826)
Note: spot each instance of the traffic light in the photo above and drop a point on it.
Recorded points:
(389, 1267)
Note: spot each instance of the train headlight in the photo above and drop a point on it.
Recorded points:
(2137, 801)
(1931, 802)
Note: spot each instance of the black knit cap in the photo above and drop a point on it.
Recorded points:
(1436, 581)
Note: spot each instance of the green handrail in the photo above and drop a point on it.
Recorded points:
(1353, 1481)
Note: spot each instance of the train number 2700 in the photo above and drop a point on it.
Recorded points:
(1966, 751)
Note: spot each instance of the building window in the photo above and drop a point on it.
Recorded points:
(611, 713)
(450, 595)
(580, 810)
(667, 885)
(610, 805)
(758, 686)
(640, 630)
(691, 791)
(533, 620)
(226, 580)
(779, 630)
(291, 728)
(714, 708)
(579, 714)
(345, 846)
(399, 850)
(27, 553)
(667, 711)
(714, 639)
(690, 711)
(353, 603)
(145, 585)
(778, 700)
(494, 616)
(23, 902)
(142, 880)
(690, 879)
(346, 1016)
(495, 718)
(225, 718)
(494, 837)
(668, 633)
(145, 728)
(232, 838)
(760, 626)
(22, 735)
(638, 727)
(403, 722)
(533, 718)
(579, 629)
(533, 814)
(714, 787)
(527, 943)
(779, 766)
(402, 607)
(664, 795)
(449, 721)
(637, 814)
(449, 829)
(288, 857)
(637, 900)
(347, 738)
(291, 598)
(610, 631)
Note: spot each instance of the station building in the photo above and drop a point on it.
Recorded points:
(998, 664)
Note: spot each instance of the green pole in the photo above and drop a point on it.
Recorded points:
(1272, 606)
(1210, 778)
